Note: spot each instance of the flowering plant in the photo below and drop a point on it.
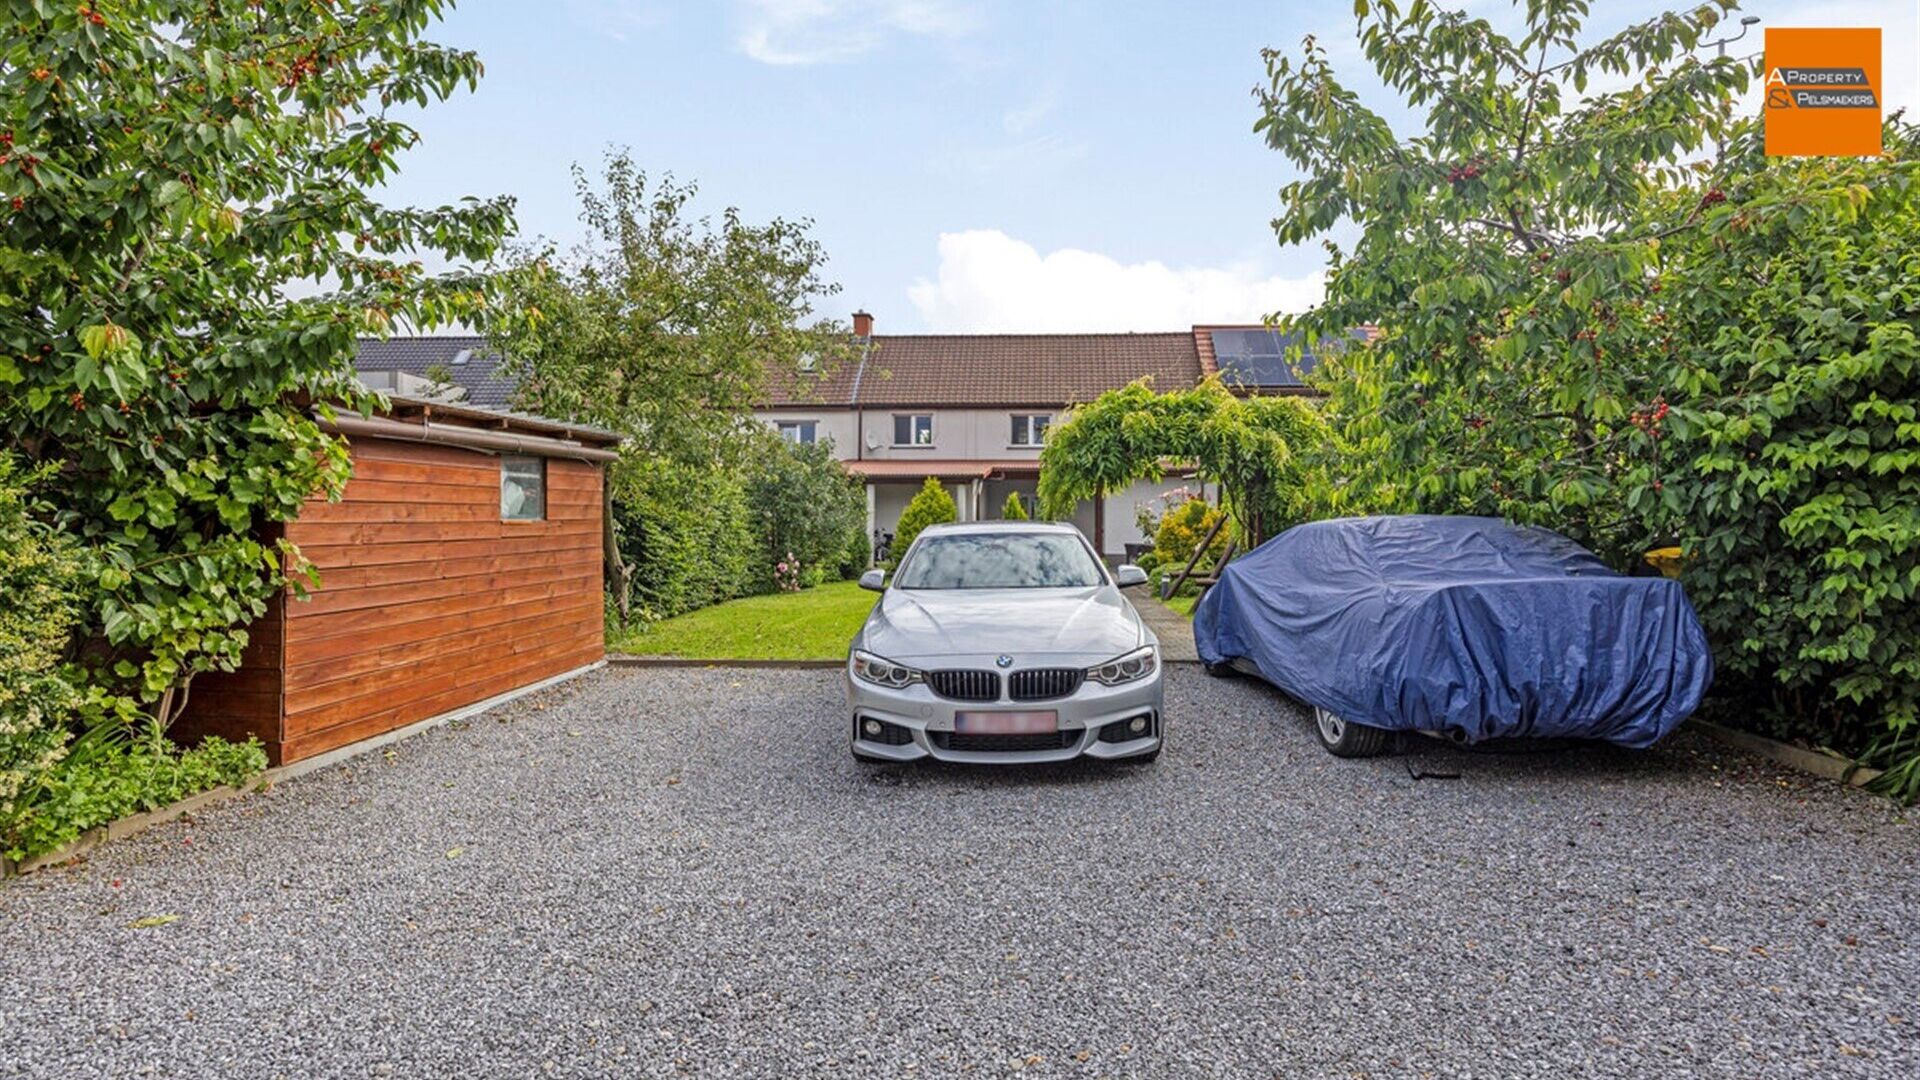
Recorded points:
(786, 574)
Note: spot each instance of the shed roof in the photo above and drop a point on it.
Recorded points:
(404, 408)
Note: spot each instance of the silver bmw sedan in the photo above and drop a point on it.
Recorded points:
(1004, 641)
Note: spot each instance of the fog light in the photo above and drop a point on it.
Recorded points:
(1137, 725)
(872, 728)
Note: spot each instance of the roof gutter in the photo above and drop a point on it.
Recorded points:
(467, 438)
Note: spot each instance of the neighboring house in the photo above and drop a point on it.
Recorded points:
(969, 410)
(459, 368)
(972, 410)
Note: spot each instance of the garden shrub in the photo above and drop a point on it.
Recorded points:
(1793, 471)
(1624, 321)
(931, 505)
(803, 506)
(194, 159)
(1014, 510)
(857, 556)
(1181, 530)
(108, 779)
(686, 535)
(41, 587)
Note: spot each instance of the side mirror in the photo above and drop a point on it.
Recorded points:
(1127, 575)
(877, 580)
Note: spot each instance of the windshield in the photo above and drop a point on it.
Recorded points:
(1000, 561)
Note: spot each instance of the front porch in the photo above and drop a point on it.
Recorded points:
(980, 490)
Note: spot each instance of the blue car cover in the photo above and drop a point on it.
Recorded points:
(1469, 626)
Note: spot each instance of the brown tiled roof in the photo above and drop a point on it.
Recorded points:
(958, 370)
(831, 385)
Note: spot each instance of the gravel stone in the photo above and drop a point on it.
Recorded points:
(682, 872)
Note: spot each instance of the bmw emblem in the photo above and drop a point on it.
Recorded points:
(1003, 660)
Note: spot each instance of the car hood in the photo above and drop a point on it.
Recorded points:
(925, 624)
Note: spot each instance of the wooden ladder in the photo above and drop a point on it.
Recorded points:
(1172, 585)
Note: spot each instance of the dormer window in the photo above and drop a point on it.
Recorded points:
(807, 363)
(1030, 429)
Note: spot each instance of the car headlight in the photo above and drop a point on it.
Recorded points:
(882, 672)
(1132, 667)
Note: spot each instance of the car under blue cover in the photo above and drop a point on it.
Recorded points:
(1470, 627)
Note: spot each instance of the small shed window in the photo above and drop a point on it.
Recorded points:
(523, 488)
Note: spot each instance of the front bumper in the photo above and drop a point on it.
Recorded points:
(1094, 722)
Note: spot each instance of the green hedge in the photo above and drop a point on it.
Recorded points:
(54, 786)
(693, 536)
(686, 536)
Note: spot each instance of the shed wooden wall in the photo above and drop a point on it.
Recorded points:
(427, 600)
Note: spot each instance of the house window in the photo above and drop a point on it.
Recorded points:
(798, 431)
(913, 429)
(1031, 430)
(523, 488)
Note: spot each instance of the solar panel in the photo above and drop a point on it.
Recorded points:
(1258, 358)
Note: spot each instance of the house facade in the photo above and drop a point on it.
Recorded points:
(972, 411)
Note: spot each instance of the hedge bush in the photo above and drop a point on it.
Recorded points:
(42, 583)
(1793, 474)
(686, 534)
(858, 555)
(803, 506)
(1014, 510)
(53, 787)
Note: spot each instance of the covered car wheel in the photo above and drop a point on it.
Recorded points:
(1345, 739)
(1221, 669)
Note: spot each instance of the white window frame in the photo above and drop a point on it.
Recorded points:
(521, 467)
(1026, 423)
(914, 428)
(803, 432)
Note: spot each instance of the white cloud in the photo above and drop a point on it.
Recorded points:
(990, 282)
(790, 32)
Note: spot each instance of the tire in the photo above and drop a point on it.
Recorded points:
(1345, 739)
(1222, 669)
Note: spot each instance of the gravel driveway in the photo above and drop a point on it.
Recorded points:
(663, 872)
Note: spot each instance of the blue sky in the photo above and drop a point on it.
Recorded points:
(970, 165)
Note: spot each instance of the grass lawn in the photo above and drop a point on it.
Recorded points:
(1184, 604)
(815, 624)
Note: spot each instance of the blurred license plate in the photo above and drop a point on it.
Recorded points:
(1006, 723)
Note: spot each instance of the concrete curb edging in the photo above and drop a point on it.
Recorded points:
(385, 739)
(135, 823)
(1825, 766)
(788, 665)
(121, 828)
(694, 662)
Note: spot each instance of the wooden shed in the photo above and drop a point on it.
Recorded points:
(464, 562)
